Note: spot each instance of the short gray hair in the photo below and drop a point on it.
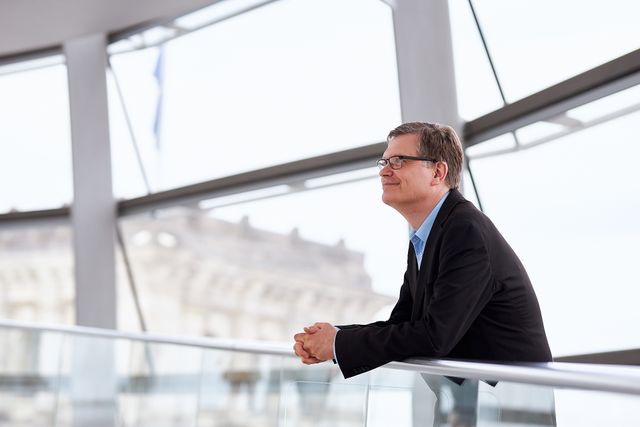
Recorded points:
(438, 141)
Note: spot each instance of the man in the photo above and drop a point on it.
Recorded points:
(465, 293)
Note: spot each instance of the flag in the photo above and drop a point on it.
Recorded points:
(158, 74)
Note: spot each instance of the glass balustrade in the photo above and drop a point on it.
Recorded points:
(65, 378)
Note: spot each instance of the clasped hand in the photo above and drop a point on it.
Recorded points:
(315, 344)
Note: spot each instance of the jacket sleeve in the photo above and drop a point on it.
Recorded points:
(462, 288)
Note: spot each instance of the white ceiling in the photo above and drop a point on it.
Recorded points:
(30, 25)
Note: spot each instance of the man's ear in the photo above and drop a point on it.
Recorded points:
(440, 170)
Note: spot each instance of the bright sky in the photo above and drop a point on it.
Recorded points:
(302, 78)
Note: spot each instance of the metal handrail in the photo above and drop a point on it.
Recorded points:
(607, 378)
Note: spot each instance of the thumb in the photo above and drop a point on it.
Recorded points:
(311, 329)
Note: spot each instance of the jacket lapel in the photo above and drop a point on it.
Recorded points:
(412, 270)
(427, 272)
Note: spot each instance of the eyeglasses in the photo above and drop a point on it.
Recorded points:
(396, 161)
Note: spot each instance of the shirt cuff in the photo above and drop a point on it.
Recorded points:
(335, 356)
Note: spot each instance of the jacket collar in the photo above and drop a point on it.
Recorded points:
(454, 198)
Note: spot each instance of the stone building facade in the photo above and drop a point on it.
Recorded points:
(196, 275)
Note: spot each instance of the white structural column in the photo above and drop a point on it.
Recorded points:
(93, 213)
(425, 61)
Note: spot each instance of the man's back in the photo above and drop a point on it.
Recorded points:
(470, 299)
(509, 327)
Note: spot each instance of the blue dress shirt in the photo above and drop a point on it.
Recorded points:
(419, 237)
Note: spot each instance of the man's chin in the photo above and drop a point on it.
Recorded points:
(387, 199)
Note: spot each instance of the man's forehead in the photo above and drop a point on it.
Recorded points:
(402, 144)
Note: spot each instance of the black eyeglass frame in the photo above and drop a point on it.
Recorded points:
(384, 162)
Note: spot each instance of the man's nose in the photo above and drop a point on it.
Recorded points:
(385, 171)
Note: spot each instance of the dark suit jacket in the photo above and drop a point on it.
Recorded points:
(471, 299)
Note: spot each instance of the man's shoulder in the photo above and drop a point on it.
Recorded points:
(462, 210)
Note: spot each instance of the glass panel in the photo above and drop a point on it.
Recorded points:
(536, 44)
(400, 398)
(569, 209)
(50, 378)
(626, 101)
(318, 396)
(35, 161)
(159, 385)
(406, 398)
(511, 404)
(239, 386)
(298, 258)
(88, 392)
(476, 86)
(536, 131)
(127, 173)
(267, 87)
(29, 377)
(596, 408)
(36, 274)
(505, 142)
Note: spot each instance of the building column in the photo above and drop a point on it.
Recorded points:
(424, 54)
(93, 213)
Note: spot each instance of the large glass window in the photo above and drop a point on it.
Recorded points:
(536, 44)
(476, 86)
(35, 142)
(290, 80)
(334, 253)
(569, 208)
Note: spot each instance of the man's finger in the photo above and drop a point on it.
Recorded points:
(295, 349)
(310, 360)
(299, 337)
(300, 351)
(311, 329)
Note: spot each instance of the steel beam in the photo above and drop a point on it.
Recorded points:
(288, 173)
(606, 79)
(30, 218)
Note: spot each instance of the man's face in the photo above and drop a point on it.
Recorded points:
(411, 184)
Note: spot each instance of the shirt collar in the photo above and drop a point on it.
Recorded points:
(423, 231)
